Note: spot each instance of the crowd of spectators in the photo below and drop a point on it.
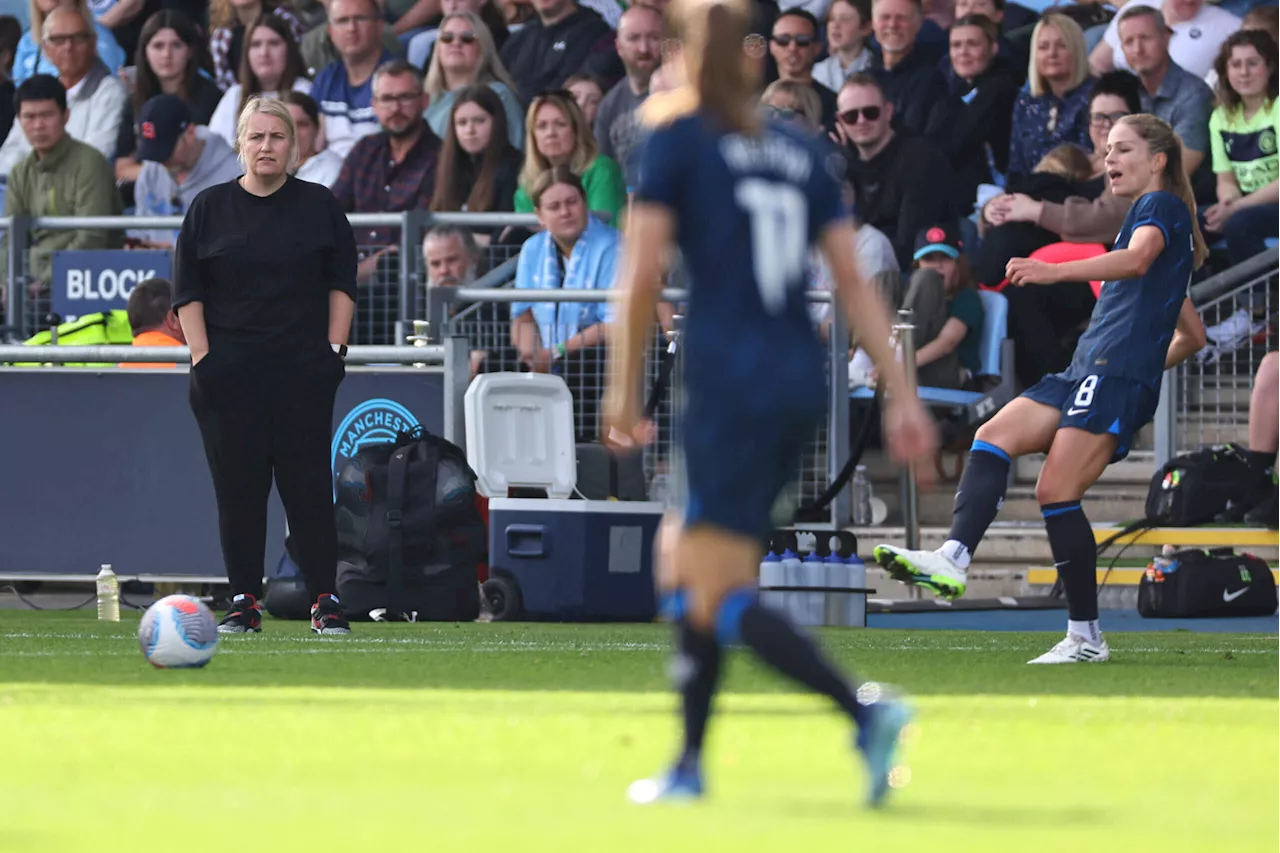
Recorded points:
(981, 120)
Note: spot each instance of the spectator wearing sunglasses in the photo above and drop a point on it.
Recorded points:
(910, 79)
(901, 181)
(465, 56)
(793, 103)
(795, 46)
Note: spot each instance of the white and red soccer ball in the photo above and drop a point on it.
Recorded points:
(178, 632)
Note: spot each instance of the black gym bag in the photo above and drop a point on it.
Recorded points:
(1194, 583)
(1195, 487)
(410, 535)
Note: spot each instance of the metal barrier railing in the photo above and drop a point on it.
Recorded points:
(391, 296)
(1205, 400)
(481, 316)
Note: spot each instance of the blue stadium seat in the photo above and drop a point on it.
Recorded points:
(1271, 242)
(996, 352)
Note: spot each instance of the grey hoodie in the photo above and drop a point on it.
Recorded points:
(157, 194)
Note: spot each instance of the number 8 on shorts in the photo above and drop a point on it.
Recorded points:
(1084, 394)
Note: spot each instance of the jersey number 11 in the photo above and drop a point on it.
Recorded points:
(779, 236)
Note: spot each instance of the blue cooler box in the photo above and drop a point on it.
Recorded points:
(576, 561)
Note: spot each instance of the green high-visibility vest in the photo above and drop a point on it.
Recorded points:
(104, 327)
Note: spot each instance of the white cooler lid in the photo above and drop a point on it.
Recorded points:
(520, 433)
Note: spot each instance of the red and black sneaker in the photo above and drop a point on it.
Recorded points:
(327, 618)
(244, 617)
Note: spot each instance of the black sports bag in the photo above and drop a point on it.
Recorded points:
(1195, 487)
(1195, 583)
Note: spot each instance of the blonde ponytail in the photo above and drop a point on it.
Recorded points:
(1161, 139)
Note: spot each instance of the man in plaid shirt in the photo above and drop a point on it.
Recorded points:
(387, 172)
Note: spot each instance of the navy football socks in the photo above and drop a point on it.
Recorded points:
(777, 642)
(696, 671)
(1075, 556)
(981, 493)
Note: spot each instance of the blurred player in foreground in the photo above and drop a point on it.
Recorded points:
(1086, 416)
(743, 200)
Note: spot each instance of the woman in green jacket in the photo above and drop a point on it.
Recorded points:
(556, 134)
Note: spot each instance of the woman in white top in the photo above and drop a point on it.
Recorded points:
(465, 56)
(270, 63)
(318, 167)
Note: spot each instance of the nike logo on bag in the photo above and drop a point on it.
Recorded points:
(1234, 595)
(1074, 412)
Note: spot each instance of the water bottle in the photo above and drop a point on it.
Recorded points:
(861, 497)
(659, 490)
(1161, 564)
(108, 586)
(771, 574)
(791, 602)
(856, 602)
(838, 577)
(813, 572)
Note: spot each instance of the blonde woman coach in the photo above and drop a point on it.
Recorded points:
(265, 281)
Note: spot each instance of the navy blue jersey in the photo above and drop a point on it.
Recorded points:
(747, 210)
(1134, 319)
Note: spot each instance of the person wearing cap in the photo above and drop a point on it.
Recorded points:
(180, 159)
(265, 286)
(948, 312)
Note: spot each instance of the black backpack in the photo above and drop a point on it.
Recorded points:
(410, 535)
(1195, 583)
(1195, 487)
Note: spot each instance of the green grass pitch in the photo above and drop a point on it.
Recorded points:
(525, 737)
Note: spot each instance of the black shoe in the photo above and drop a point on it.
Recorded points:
(1265, 513)
(326, 616)
(244, 617)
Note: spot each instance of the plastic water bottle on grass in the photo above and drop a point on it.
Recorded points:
(108, 586)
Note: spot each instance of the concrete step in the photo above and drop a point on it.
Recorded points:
(1104, 503)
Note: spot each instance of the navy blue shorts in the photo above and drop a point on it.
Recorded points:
(735, 466)
(1103, 405)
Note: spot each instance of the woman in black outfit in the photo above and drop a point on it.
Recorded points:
(974, 127)
(265, 285)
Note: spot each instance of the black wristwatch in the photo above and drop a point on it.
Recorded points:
(340, 349)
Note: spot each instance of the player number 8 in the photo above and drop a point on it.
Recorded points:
(1084, 396)
(779, 236)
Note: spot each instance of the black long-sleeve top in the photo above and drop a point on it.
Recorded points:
(264, 266)
(902, 190)
(975, 117)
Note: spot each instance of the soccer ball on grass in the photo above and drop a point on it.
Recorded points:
(178, 632)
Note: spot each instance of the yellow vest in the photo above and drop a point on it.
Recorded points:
(104, 327)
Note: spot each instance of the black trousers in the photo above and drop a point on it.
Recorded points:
(257, 421)
(1043, 321)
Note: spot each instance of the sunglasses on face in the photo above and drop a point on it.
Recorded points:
(785, 40)
(859, 114)
(465, 38)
